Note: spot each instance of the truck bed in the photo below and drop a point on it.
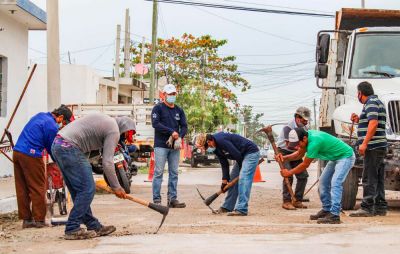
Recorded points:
(350, 19)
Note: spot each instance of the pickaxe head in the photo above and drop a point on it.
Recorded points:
(161, 209)
(204, 201)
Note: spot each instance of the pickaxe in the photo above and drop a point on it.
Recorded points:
(159, 208)
(210, 199)
(268, 131)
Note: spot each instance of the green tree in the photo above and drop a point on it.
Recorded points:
(252, 124)
(204, 78)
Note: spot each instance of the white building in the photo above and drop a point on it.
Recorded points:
(17, 18)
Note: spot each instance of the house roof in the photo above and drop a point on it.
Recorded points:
(25, 12)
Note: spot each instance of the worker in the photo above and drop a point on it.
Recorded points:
(92, 132)
(29, 169)
(301, 120)
(246, 154)
(372, 145)
(320, 145)
(169, 123)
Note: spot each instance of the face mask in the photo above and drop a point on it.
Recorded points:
(171, 99)
(211, 149)
(60, 125)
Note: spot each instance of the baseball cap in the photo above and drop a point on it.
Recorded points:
(66, 112)
(169, 88)
(304, 112)
(295, 136)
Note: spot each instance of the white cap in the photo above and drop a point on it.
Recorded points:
(169, 88)
(293, 137)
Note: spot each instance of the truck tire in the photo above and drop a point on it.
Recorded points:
(193, 162)
(350, 189)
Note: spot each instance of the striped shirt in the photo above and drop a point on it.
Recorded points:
(373, 110)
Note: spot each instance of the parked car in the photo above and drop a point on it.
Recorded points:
(270, 154)
(201, 157)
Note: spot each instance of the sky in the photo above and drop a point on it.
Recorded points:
(275, 53)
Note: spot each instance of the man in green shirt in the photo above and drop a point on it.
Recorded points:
(340, 156)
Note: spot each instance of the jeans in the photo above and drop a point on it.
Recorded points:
(331, 183)
(239, 195)
(301, 180)
(78, 177)
(161, 156)
(373, 181)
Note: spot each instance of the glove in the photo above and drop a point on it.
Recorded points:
(178, 144)
(170, 142)
(223, 184)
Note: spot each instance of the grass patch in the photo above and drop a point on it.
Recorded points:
(143, 170)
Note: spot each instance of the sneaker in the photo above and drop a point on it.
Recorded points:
(380, 213)
(361, 213)
(236, 213)
(305, 200)
(105, 230)
(41, 224)
(81, 234)
(28, 224)
(299, 204)
(222, 210)
(288, 206)
(176, 204)
(320, 214)
(329, 219)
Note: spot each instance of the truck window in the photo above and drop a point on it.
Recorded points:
(376, 56)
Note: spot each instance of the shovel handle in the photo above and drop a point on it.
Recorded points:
(271, 139)
(129, 197)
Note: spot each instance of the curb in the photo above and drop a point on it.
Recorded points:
(8, 205)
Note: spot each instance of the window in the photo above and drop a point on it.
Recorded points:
(3, 86)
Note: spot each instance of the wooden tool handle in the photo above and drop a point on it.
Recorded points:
(281, 166)
(129, 197)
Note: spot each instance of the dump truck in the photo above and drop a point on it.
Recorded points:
(364, 46)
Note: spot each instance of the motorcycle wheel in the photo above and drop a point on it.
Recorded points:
(123, 180)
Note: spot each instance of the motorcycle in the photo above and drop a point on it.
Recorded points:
(124, 167)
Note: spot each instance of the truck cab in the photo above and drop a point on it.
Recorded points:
(365, 46)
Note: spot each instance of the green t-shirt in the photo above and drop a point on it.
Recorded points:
(324, 146)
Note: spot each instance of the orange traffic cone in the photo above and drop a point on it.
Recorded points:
(257, 176)
(151, 168)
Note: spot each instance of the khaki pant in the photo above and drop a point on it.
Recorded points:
(30, 185)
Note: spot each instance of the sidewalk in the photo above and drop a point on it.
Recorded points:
(8, 200)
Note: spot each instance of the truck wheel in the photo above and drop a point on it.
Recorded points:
(193, 162)
(350, 188)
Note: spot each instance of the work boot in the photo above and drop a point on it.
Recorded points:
(176, 204)
(222, 210)
(299, 204)
(320, 214)
(105, 230)
(236, 213)
(380, 213)
(81, 234)
(361, 213)
(288, 206)
(41, 224)
(157, 202)
(329, 219)
(28, 224)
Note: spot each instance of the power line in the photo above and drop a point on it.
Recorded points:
(243, 8)
(263, 55)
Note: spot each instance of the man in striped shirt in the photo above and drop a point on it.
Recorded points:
(372, 145)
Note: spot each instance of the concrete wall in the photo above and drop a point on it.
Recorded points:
(14, 46)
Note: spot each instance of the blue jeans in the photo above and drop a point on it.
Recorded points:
(331, 183)
(78, 177)
(239, 195)
(161, 156)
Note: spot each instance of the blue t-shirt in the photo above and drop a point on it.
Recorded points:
(38, 134)
(234, 147)
(165, 121)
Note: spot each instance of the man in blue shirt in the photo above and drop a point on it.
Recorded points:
(169, 123)
(372, 145)
(246, 154)
(29, 172)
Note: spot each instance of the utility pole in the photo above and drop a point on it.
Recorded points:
(69, 57)
(127, 46)
(203, 88)
(53, 56)
(153, 53)
(117, 62)
(363, 4)
(315, 114)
